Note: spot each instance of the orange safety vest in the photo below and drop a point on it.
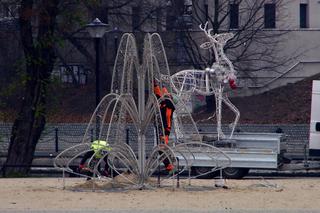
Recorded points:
(166, 108)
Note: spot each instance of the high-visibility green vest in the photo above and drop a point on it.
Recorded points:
(98, 146)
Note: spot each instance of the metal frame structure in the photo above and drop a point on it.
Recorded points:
(212, 80)
(133, 103)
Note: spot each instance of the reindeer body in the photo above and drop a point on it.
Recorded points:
(212, 80)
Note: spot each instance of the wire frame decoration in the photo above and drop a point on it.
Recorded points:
(212, 80)
(133, 105)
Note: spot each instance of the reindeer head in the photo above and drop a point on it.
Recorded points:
(220, 39)
(223, 38)
(212, 41)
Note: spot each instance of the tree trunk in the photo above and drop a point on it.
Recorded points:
(39, 60)
(25, 134)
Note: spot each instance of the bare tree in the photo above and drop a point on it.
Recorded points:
(43, 26)
(39, 60)
(40, 24)
(255, 45)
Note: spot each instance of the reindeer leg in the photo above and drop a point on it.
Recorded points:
(218, 99)
(235, 110)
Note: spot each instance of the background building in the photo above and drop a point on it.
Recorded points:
(276, 42)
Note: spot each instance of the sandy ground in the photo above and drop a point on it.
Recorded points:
(47, 194)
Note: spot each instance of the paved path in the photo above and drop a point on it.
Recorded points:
(171, 211)
(45, 195)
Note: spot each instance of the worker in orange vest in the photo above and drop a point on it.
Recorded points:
(166, 108)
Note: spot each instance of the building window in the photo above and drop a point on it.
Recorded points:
(206, 12)
(270, 16)
(181, 54)
(135, 18)
(9, 10)
(72, 74)
(4, 10)
(234, 16)
(170, 20)
(303, 15)
(187, 7)
(160, 20)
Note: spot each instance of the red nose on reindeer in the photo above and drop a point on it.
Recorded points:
(232, 84)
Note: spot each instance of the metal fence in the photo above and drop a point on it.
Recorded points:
(57, 137)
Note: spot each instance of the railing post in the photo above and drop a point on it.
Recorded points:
(159, 172)
(56, 140)
(305, 155)
(178, 175)
(4, 170)
(91, 134)
(127, 136)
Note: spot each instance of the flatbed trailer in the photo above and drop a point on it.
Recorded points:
(245, 150)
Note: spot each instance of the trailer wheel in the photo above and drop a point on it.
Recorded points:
(234, 173)
(202, 170)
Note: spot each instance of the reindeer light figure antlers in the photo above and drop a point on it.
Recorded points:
(213, 79)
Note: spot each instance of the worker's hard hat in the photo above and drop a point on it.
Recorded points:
(100, 144)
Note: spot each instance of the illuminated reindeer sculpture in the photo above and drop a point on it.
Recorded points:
(212, 80)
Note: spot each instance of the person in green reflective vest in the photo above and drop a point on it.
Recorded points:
(98, 150)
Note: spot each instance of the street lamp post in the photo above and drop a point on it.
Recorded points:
(97, 29)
